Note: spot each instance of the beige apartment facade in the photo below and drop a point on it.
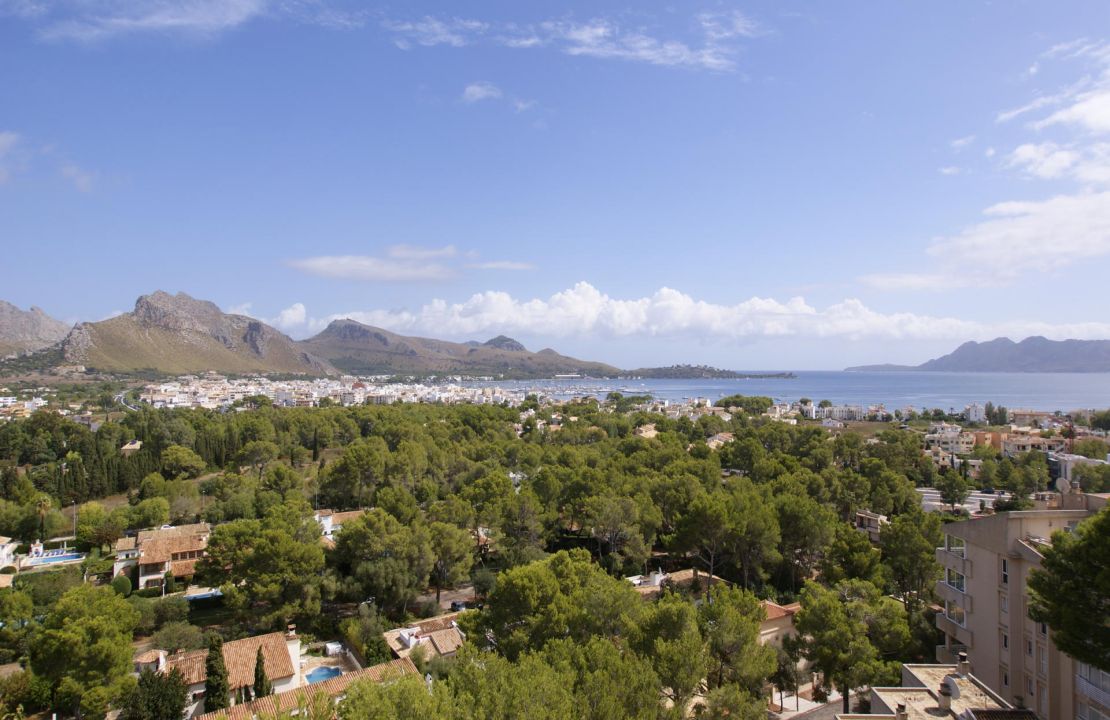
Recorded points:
(986, 564)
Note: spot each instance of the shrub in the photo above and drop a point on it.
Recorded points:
(122, 585)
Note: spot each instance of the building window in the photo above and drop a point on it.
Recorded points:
(1003, 602)
(954, 612)
(1042, 660)
(954, 545)
(1029, 647)
(954, 579)
(1029, 686)
(1005, 677)
(1043, 628)
(1005, 641)
(1005, 571)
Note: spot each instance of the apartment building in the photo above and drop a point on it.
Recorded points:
(986, 563)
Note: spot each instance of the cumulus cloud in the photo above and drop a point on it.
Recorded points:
(1018, 237)
(717, 37)
(583, 310)
(478, 91)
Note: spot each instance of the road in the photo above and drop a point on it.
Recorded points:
(122, 399)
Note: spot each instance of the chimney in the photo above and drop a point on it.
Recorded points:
(291, 631)
(900, 712)
(944, 697)
(963, 667)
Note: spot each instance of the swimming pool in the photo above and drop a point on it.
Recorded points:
(322, 673)
(56, 558)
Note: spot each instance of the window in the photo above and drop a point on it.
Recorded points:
(954, 579)
(1043, 629)
(1003, 602)
(954, 545)
(1005, 641)
(954, 612)
(1029, 686)
(1005, 571)
(1042, 660)
(1029, 647)
(1005, 677)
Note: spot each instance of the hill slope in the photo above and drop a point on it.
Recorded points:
(27, 330)
(1033, 354)
(362, 349)
(178, 334)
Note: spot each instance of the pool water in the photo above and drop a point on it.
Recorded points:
(48, 559)
(322, 673)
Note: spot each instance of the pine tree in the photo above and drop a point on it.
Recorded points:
(262, 686)
(216, 691)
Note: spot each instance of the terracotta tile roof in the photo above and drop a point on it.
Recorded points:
(239, 657)
(339, 518)
(1003, 714)
(190, 665)
(334, 688)
(160, 550)
(446, 641)
(775, 611)
(183, 568)
(194, 529)
(125, 543)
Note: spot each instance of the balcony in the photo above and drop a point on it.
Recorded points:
(952, 630)
(949, 655)
(953, 595)
(953, 560)
(1086, 688)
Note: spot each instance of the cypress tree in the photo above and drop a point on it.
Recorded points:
(216, 691)
(262, 686)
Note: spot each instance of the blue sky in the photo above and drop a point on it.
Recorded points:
(751, 185)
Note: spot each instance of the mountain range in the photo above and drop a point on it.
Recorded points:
(176, 334)
(1033, 354)
(24, 331)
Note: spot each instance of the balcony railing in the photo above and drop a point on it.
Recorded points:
(1088, 689)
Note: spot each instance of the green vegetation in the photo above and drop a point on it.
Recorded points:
(546, 523)
(1072, 590)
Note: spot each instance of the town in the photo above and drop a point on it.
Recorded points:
(278, 482)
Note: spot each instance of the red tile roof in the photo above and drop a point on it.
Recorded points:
(334, 688)
(239, 657)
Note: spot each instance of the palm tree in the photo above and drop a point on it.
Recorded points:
(43, 505)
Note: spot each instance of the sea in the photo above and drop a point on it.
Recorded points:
(893, 390)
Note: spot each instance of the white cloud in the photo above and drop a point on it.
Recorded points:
(478, 91)
(293, 316)
(717, 37)
(583, 310)
(81, 179)
(524, 105)
(241, 309)
(989, 152)
(1020, 237)
(949, 170)
(415, 252)
(8, 142)
(430, 31)
(502, 265)
(1090, 111)
(1044, 160)
(961, 143)
(96, 21)
(365, 267)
